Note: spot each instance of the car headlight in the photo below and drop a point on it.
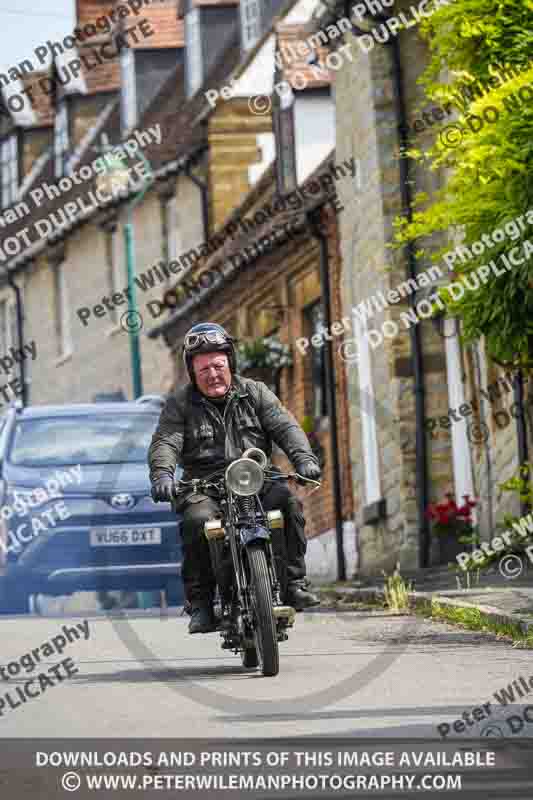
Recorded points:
(244, 477)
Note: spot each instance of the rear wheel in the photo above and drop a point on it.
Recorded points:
(265, 633)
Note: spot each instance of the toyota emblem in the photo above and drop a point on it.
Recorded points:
(122, 501)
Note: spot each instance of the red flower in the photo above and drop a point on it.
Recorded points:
(471, 503)
(447, 513)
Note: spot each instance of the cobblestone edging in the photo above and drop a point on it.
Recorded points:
(428, 601)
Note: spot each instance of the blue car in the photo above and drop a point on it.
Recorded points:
(76, 512)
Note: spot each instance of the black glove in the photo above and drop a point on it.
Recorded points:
(163, 490)
(308, 469)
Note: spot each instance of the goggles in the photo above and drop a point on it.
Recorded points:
(195, 340)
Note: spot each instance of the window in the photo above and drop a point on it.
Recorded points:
(116, 280)
(193, 42)
(96, 439)
(314, 323)
(128, 97)
(61, 139)
(62, 311)
(10, 170)
(250, 23)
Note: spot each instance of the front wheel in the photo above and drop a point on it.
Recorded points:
(265, 632)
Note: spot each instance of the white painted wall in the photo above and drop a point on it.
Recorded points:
(302, 11)
(258, 77)
(321, 557)
(314, 123)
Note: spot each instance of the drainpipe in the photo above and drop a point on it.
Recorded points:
(20, 335)
(421, 457)
(330, 394)
(521, 431)
(205, 202)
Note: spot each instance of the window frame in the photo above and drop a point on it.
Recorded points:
(61, 137)
(193, 49)
(10, 164)
(8, 324)
(367, 408)
(128, 93)
(310, 330)
(249, 39)
(285, 137)
(61, 312)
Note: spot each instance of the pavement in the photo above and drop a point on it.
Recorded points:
(504, 600)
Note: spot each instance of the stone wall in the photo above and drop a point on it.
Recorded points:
(367, 130)
(100, 357)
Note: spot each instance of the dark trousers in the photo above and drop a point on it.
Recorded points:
(289, 545)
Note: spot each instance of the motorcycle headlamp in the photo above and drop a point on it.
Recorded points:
(245, 477)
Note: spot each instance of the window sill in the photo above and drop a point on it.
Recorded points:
(63, 359)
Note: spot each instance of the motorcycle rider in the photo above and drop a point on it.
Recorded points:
(205, 425)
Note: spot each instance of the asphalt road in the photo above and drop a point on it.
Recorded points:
(364, 674)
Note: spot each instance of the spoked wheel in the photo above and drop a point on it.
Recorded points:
(265, 633)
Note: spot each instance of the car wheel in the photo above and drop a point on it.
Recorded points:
(13, 600)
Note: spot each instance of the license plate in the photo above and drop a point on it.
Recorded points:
(116, 537)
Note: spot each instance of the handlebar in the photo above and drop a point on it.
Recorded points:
(206, 483)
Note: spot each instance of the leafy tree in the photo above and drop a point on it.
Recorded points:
(490, 167)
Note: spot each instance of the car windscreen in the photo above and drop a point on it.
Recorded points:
(91, 439)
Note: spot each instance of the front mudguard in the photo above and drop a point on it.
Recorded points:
(249, 536)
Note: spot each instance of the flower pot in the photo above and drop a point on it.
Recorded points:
(449, 548)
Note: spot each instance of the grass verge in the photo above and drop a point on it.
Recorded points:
(472, 619)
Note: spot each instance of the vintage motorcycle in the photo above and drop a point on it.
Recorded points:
(251, 617)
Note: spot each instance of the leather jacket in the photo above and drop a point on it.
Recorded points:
(194, 434)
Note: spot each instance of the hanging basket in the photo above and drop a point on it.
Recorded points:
(263, 359)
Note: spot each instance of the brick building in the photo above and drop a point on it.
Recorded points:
(409, 371)
(274, 285)
(72, 260)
